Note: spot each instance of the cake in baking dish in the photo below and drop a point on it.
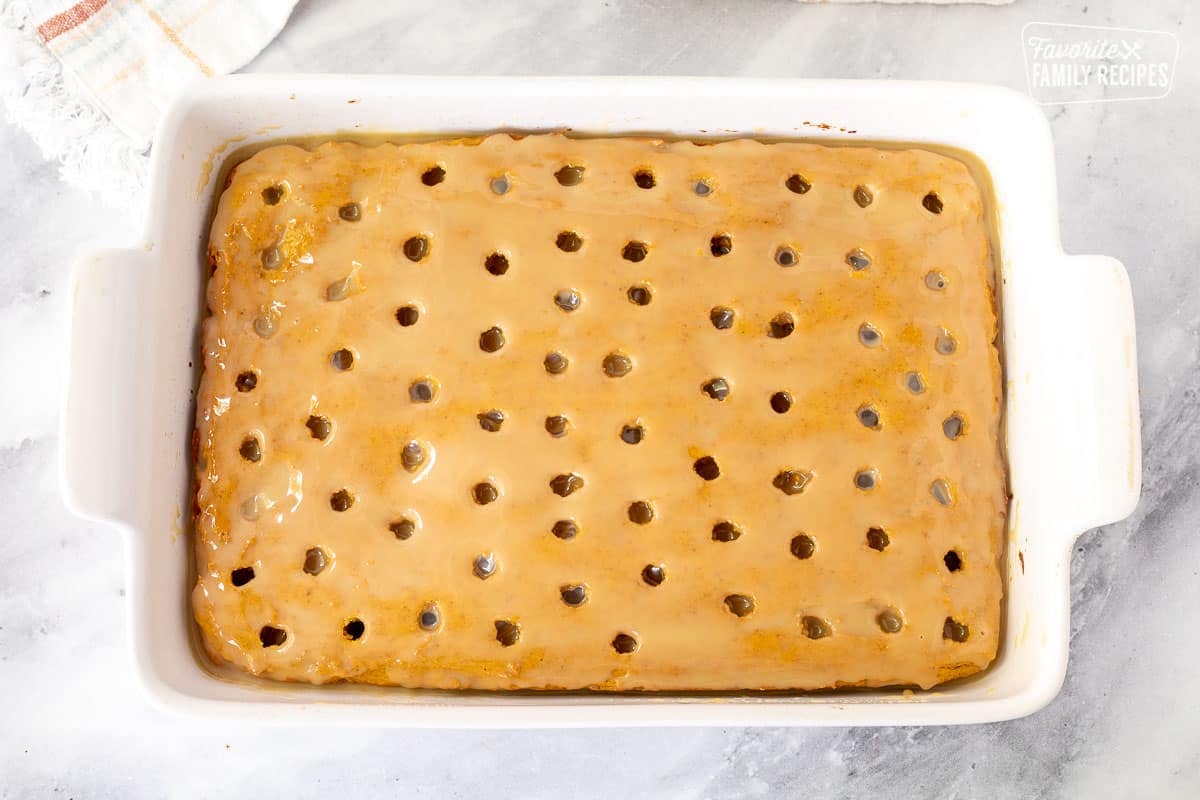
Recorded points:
(543, 412)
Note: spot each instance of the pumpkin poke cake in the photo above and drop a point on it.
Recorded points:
(546, 412)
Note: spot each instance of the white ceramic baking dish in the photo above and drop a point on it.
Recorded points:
(1072, 426)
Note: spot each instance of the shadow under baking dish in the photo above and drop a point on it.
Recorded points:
(229, 673)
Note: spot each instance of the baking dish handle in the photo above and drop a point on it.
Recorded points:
(1102, 369)
(102, 386)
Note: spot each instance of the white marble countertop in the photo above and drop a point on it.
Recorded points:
(1127, 723)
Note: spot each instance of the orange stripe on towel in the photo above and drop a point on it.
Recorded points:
(171, 35)
(74, 16)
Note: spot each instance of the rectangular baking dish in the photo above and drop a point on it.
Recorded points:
(1071, 401)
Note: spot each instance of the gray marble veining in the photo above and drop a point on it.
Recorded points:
(1127, 723)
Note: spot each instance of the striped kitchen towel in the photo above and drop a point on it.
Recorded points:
(89, 78)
